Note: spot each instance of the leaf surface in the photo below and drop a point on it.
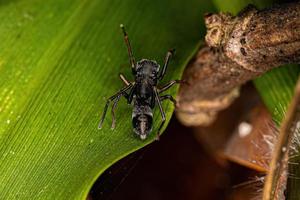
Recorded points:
(59, 62)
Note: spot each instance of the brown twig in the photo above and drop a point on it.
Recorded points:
(257, 40)
(241, 48)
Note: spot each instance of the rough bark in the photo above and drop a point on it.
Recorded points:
(239, 49)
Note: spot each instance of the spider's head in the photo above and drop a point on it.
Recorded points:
(148, 68)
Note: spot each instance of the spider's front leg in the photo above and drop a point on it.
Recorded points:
(130, 54)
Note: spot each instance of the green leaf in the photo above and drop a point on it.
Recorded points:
(59, 62)
(235, 6)
(277, 89)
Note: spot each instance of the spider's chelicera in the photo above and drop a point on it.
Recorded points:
(143, 93)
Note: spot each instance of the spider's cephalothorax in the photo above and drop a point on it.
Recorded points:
(147, 71)
(143, 93)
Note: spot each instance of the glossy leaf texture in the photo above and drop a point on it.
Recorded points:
(59, 62)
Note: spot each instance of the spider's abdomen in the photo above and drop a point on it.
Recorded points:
(142, 120)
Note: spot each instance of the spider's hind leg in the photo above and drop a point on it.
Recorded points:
(117, 96)
(162, 112)
(169, 97)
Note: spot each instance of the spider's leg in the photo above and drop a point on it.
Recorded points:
(122, 77)
(164, 97)
(162, 72)
(120, 93)
(131, 94)
(130, 54)
(169, 85)
(162, 112)
(113, 124)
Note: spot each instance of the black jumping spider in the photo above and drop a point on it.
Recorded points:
(143, 93)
